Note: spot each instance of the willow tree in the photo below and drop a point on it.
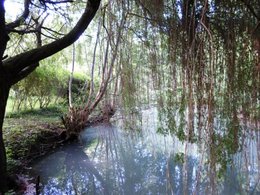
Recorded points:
(16, 68)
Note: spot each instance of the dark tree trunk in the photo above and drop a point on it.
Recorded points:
(4, 92)
(3, 170)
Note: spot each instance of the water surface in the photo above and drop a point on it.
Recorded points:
(114, 160)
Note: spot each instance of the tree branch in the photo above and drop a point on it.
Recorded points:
(17, 63)
(21, 19)
(22, 31)
(24, 73)
(56, 2)
(52, 31)
(4, 37)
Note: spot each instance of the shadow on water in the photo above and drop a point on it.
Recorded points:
(111, 161)
(69, 170)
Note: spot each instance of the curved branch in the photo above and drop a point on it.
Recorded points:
(24, 73)
(17, 63)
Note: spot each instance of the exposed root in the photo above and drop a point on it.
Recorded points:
(79, 118)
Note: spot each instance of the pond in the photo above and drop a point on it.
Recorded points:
(115, 159)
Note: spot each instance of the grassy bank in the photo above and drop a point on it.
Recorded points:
(27, 134)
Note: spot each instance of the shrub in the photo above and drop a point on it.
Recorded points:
(48, 85)
(40, 88)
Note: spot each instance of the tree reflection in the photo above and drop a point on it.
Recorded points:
(111, 161)
(70, 171)
(221, 135)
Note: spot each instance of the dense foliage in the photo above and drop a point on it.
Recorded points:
(198, 61)
(47, 86)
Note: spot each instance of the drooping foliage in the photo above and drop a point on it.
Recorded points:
(199, 62)
(197, 54)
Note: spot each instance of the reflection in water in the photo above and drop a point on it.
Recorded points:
(110, 161)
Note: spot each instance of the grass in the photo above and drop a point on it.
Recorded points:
(45, 114)
(24, 131)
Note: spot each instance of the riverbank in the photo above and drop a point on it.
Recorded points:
(30, 135)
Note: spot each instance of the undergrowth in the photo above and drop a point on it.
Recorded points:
(26, 131)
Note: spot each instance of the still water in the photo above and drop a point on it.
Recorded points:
(115, 160)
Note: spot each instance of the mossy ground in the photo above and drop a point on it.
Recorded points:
(29, 134)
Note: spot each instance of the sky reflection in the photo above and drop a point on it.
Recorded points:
(111, 161)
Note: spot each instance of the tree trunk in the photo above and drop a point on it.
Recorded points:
(4, 92)
(18, 67)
